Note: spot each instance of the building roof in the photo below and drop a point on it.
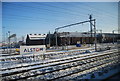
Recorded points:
(36, 36)
(85, 34)
(75, 34)
(110, 35)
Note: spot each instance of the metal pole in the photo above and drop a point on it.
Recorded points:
(49, 37)
(15, 42)
(101, 35)
(16, 39)
(66, 40)
(3, 44)
(95, 35)
(56, 38)
(69, 38)
(113, 36)
(91, 26)
(9, 42)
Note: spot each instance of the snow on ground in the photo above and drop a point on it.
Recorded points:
(67, 61)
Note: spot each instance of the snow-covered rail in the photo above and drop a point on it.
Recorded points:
(54, 69)
(25, 61)
(10, 61)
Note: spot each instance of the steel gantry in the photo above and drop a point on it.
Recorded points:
(91, 27)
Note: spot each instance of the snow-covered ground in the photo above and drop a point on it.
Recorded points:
(21, 60)
(57, 65)
(67, 64)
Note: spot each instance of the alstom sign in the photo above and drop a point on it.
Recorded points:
(32, 49)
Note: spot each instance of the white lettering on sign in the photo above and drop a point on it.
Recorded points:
(32, 49)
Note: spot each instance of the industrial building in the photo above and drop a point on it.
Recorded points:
(70, 38)
(108, 37)
(35, 39)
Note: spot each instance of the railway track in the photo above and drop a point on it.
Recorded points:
(56, 69)
(49, 61)
(71, 70)
(22, 60)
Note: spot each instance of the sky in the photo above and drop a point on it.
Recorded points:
(24, 18)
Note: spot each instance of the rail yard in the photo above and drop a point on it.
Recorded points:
(60, 41)
(77, 64)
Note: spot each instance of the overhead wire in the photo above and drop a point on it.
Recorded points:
(66, 10)
(56, 11)
(98, 10)
(99, 17)
(18, 17)
(30, 18)
(89, 8)
(53, 11)
(57, 7)
(42, 18)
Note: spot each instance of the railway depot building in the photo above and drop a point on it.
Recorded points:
(108, 37)
(70, 38)
(35, 39)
